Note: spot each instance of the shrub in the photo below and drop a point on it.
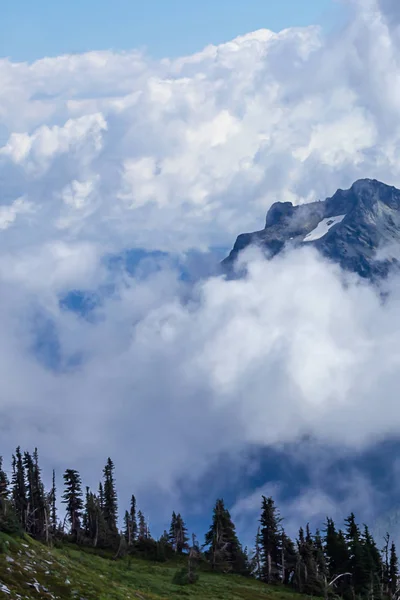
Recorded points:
(185, 577)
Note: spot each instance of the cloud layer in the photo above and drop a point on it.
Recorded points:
(104, 152)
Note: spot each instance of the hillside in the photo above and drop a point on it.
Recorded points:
(29, 570)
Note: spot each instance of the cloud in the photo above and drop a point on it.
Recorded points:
(104, 152)
(208, 140)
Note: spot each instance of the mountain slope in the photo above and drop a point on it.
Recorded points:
(358, 228)
(30, 570)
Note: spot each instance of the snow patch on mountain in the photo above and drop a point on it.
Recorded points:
(323, 227)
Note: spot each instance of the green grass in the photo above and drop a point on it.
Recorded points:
(71, 573)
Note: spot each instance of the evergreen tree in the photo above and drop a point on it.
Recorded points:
(37, 517)
(270, 540)
(172, 531)
(256, 559)
(9, 522)
(371, 566)
(101, 496)
(93, 521)
(307, 572)
(319, 555)
(128, 529)
(336, 550)
(110, 508)
(72, 497)
(224, 550)
(361, 577)
(337, 556)
(393, 571)
(20, 501)
(54, 504)
(178, 534)
(289, 559)
(142, 526)
(4, 491)
(133, 519)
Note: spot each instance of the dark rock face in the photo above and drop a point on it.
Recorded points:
(358, 228)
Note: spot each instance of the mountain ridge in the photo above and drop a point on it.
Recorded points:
(359, 228)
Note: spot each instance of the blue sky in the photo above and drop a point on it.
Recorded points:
(31, 30)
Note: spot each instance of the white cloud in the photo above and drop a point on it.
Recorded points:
(209, 140)
(9, 213)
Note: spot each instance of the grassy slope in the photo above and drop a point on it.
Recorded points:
(31, 570)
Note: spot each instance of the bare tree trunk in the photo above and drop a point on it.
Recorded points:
(97, 532)
(269, 567)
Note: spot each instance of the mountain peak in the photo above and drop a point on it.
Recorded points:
(349, 228)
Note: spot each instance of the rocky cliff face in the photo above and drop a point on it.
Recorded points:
(358, 228)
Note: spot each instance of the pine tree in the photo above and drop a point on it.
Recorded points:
(128, 529)
(110, 509)
(337, 556)
(224, 550)
(356, 563)
(270, 540)
(336, 550)
(9, 522)
(371, 568)
(142, 526)
(289, 558)
(172, 531)
(308, 578)
(319, 555)
(54, 504)
(101, 496)
(133, 519)
(93, 521)
(393, 571)
(178, 534)
(19, 488)
(72, 497)
(4, 491)
(37, 518)
(256, 559)
(181, 535)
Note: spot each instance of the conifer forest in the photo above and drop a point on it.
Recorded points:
(338, 560)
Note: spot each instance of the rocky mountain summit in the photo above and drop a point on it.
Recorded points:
(358, 228)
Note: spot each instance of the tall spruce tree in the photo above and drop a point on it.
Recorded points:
(178, 534)
(37, 517)
(371, 568)
(4, 491)
(93, 521)
(307, 577)
(110, 508)
(271, 540)
(142, 531)
(9, 523)
(72, 497)
(393, 571)
(172, 531)
(133, 518)
(256, 559)
(224, 550)
(289, 558)
(361, 578)
(54, 504)
(19, 493)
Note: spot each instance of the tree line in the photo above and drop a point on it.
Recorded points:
(343, 562)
